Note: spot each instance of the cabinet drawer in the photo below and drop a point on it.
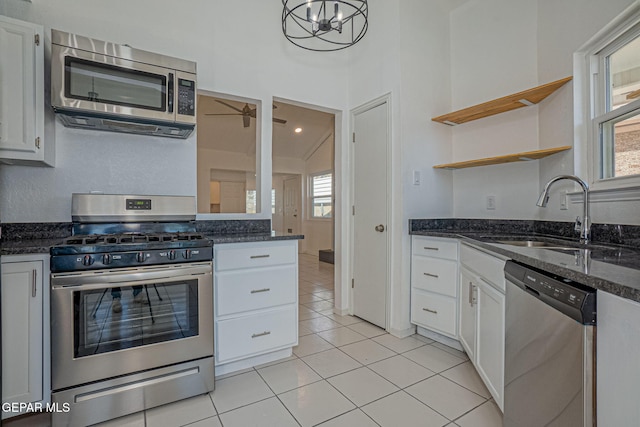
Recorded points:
(244, 290)
(435, 275)
(434, 311)
(251, 335)
(487, 266)
(437, 248)
(248, 255)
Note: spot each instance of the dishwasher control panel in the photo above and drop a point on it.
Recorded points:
(574, 299)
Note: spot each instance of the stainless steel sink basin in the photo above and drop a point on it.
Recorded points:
(534, 244)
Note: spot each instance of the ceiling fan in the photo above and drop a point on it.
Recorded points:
(246, 112)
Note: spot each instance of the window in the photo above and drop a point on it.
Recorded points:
(617, 118)
(610, 67)
(273, 201)
(321, 195)
(250, 201)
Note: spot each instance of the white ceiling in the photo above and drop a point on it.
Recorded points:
(227, 133)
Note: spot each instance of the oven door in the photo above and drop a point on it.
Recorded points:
(165, 317)
(102, 84)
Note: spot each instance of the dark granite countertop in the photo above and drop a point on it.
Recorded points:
(42, 246)
(251, 237)
(30, 246)
(614, 269)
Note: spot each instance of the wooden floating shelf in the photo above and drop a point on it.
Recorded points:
(634, 95)
(509, 158)
(502, 105)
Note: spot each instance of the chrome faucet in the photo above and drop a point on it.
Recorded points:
(582, 226)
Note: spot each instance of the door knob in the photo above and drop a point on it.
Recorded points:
(380, 228)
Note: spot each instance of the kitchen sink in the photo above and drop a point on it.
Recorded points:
(535, 244)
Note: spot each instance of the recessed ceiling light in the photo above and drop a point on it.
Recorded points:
(298, 130)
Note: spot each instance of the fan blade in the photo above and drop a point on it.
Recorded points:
(229, 105)
(252, 113)
(281, 121)
(246, 121)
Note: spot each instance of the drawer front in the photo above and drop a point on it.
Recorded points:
(243, 290)
(437, 248)
(435, 275)
(489, 267)
(248, 255)
(434, 311)
(252, 335)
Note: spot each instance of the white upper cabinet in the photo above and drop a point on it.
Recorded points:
(22, 139)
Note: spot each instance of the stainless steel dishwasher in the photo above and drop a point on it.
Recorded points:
(549, 350)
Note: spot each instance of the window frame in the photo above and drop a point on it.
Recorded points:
(311, 197)
(590, 103)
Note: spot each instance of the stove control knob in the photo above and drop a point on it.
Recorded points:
(171, 254)
(87, 260)
(106, 259)
(186, 254)
(140, 257)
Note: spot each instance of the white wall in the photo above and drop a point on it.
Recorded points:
(499, 47)
(239, 48)
(493, 45)
(414, 69)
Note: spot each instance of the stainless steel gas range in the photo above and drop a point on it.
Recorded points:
(131, 308)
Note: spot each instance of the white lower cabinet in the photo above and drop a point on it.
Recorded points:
(489, 355)
(25, 340)
(482, 308)
(255, 302)
(468, 312)
(434, 286)
(617, 350)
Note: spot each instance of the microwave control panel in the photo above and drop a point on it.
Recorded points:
(186, 97)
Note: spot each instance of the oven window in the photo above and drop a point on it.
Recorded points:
(118, 318)
(92, 81)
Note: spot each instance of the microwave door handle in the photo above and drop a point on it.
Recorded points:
(170, 93)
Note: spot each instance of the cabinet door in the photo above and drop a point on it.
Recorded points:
(468, 308)
(21, 90)
(22, 333)
(490, 347)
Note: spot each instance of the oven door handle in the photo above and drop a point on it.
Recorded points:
(95, 280)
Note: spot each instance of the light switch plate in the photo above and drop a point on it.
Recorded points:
(416, 177)
(491, 203)
(564, 201)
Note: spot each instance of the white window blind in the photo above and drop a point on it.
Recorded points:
(321, 195)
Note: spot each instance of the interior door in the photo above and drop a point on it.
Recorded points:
(370, 238)
(292, 190)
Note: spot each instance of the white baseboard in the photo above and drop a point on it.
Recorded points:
(340, 311)
(252, 361)
(440, 338)
(402, 333)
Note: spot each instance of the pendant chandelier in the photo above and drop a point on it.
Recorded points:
(324, 25)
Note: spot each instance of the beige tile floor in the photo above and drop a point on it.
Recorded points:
(344, 372)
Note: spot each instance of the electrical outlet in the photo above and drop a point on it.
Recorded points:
(416, 177)
(564, 201)
(491, 203)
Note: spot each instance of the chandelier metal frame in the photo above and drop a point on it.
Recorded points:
(304, 22)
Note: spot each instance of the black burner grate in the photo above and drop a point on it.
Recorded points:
(111, 239)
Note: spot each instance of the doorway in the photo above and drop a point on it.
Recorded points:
(370, 212)
(302, 175)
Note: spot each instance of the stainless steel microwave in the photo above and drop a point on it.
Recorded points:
(105, 86)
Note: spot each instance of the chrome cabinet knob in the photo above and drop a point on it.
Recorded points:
(380, 228)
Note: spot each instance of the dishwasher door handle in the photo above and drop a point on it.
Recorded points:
(531, 291)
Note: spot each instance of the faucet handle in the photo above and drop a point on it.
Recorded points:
(578, 225)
